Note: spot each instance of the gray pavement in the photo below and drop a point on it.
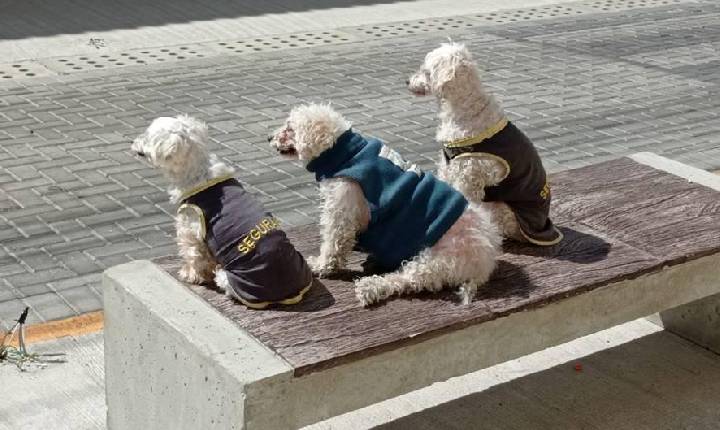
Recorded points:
(632, 377)
(587, 85)
(37, 29)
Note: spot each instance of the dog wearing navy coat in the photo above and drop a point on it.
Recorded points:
(223, 232)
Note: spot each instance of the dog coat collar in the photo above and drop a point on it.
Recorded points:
(473, 146)
(346, 146)
(204, 186)
(472, 140)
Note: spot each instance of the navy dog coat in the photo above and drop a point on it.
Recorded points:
(409, 210)
(525, 189)
(262, 265)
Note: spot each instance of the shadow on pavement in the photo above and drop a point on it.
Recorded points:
(658, 381)
(20, 19)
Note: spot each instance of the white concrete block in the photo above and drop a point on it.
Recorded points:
(174, 362)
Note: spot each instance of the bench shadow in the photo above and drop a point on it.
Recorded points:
(576, 247)
(348, 275)
(509, 280)
(366, 266)
(615, 380)
(316, 299)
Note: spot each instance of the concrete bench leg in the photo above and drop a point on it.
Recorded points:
(697, 321)
(173, 362)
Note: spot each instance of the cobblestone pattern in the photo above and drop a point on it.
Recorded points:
(73, 201)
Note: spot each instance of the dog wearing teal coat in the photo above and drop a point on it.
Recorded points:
(411, 223)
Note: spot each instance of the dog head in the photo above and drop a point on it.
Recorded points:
(309, 130)
(174, 145)
(445, 69)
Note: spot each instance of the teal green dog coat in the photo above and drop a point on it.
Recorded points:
(409, 211)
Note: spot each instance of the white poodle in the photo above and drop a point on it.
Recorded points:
(407, 220)
(484, 155)
(223, 233)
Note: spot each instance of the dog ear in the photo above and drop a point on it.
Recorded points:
(312, 138)
(447, 67)
(442, 71)
(180, 136)
(193, 128)
(174, 144)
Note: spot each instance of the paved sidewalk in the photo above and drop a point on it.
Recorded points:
(586, 87)
(32, 29)
(633, 376)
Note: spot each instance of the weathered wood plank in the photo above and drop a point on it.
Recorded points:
(330, 327)
(662, 214)
(620, 220)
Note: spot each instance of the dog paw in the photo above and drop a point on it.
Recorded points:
(367, 292)
(365, 297)
(190, 275)
(322, 267)
(466, 293)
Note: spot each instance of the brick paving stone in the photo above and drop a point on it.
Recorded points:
(49, 306)
(11, 268)
(7, 294)
(33, 289)
(113, 260)
(115, 248)
(34, 242)
(10, 311)
(82, 299)
(42, 276)
(79, 263)
(92, 279)
(585, 88)
(156, 251)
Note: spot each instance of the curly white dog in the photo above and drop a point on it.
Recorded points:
(223, 232)
(484, 155)
(407, 220)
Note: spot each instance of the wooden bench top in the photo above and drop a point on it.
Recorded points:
(621, 220)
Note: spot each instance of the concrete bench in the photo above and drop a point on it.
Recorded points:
(642, 235)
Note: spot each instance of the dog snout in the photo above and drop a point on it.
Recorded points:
(136, 148)
(407, 81)
(270, 138)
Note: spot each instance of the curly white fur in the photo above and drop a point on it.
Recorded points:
(465, 256)
(178, 147)
(465, 109)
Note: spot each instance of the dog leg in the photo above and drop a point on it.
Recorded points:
(504, 217)
(470, 177)
(344, 214)
(422, 273)
(466, 176)
(198, 264)
(223, 283)
(413, 277)
(467, 292)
